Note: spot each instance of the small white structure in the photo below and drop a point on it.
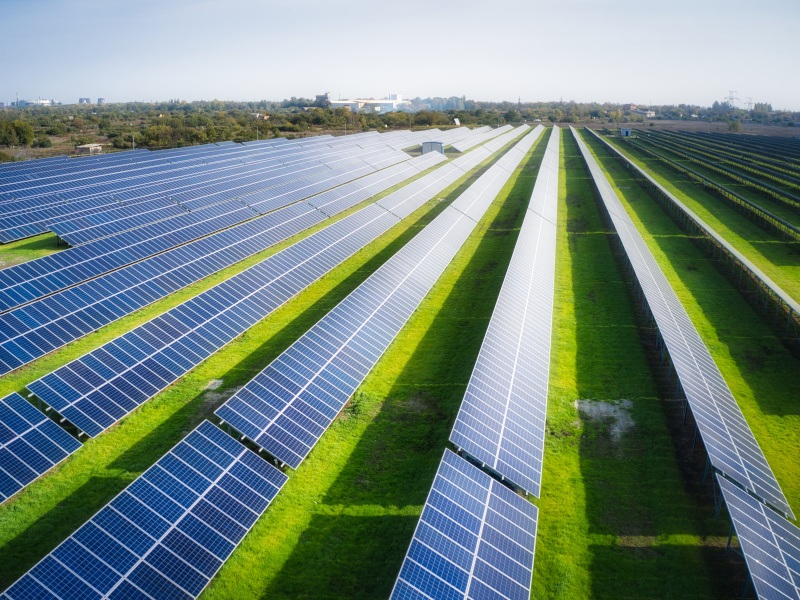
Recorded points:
(625, 132)
(432, 147)
(90, 149)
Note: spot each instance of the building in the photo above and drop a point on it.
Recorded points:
(392, 103)
(101, 101)
(432, 147)
(625, 131)
(90, 149)
(84, 100)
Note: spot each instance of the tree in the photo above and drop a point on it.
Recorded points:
(24, 132)
(8, 136)
(734, 126)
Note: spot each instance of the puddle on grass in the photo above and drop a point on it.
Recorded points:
(615, 415)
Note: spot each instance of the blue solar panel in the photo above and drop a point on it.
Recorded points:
(166, 534)
(30, 444)
(88, 196)
(96, 390)
(289, 405)
(475, 539)
(769, 543)
(731, 446)
(31, 331)
(501, 419)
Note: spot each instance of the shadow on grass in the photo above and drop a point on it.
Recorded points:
(24, 550)
(766, 366)
(360, 554)
(395, 459)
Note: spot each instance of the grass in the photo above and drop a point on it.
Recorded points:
(48, 510)
(768, 252)
(22, 251)
(616, 519)
(761, 373)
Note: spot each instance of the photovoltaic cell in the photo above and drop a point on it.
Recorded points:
(501, 419)
(30, 444)
(731, 445)
(770, 544)
(168, 533)
(475, 539)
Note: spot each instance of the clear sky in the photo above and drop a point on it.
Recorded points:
(659, 51)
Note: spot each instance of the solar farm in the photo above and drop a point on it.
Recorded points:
(546, 363)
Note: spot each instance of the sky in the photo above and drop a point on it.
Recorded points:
(660, 52)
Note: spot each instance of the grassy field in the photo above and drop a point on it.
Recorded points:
(768, 252)
(28, 249)
(616, 518)
(761, 373)
(54, 506)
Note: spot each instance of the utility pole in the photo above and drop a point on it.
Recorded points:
(749, 102)
(731, 98)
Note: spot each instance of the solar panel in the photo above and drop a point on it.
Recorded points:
(731, 446)
(31, 331)
(501, 419)
(769, 543)
(30, 444)
(289, 405)
(32, 280)
(166, 534)
(97, 390)
(475, 539)
(32, 215)
(475, 140)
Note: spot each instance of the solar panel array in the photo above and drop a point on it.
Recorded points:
(30, 444)
(31, 331)
(501, 419)
(98, 389)
(89, 195)
(168, 532)
(731, 446)
(769, 543)
(287, 407)
(475, 539)
(475, 140)
(27, 282)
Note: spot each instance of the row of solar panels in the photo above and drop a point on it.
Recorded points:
(32, 280)
(30, 331)
(96, 389)
(158, 188)
(475, 537)
(769, 542)
(168, 533)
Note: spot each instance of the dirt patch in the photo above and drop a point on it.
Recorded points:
(213, 384)
(615, 415)
(577, 225)
(692, 267)
(213, 400)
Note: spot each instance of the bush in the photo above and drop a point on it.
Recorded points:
(41, 141)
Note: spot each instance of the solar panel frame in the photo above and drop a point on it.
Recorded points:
(30, 445)
(769, 543)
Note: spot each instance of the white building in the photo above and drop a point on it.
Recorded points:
(391, 103)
